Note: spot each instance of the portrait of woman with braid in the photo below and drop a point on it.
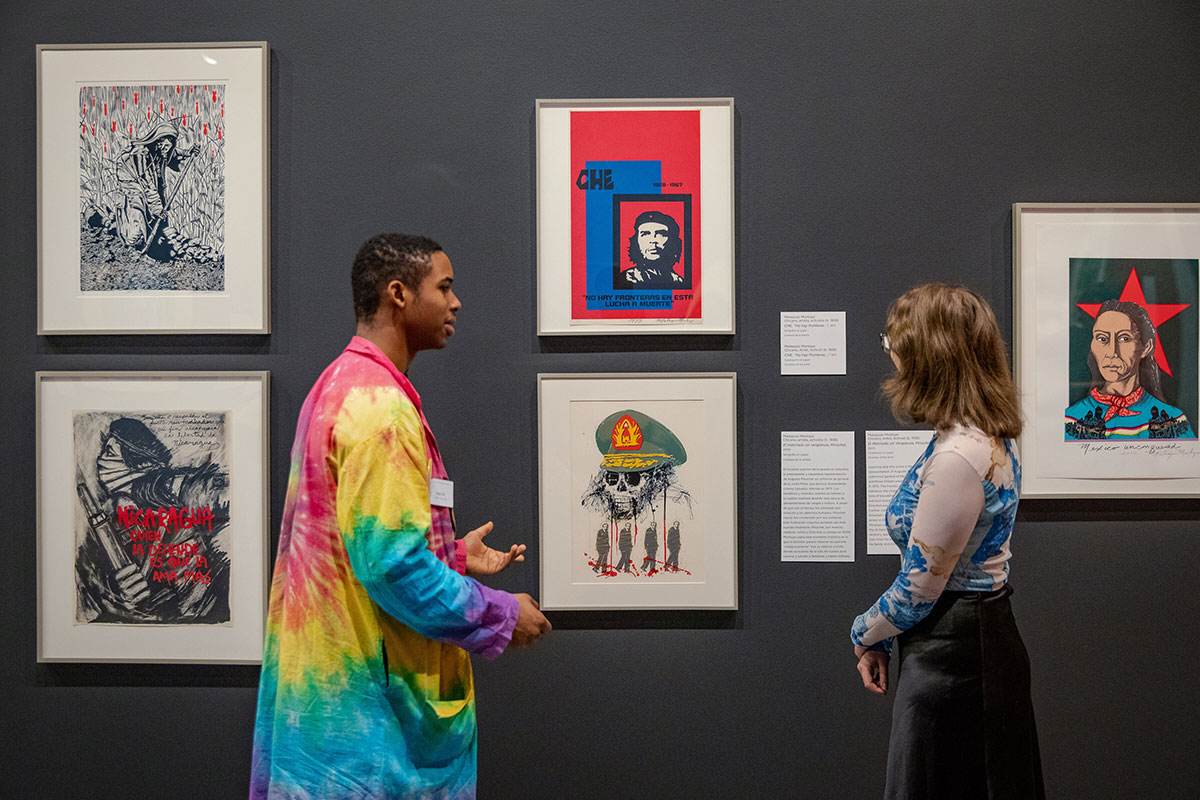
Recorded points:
(1125, 399)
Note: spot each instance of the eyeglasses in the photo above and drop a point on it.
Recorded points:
(885, 343)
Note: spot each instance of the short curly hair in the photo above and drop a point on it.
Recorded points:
(385, 258)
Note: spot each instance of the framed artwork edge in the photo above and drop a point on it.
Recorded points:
(265, 156)
(734, 586)
(1038, 487)
(636, 327)
(264, 450)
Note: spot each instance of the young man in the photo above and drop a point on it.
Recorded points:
(366, 687)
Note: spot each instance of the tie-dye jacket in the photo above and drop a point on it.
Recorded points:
(366, 688)
(928, 544)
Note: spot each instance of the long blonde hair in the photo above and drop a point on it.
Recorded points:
(953, 362)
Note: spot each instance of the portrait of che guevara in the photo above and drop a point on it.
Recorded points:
(655, 248)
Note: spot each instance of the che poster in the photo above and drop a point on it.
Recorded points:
(635, 210)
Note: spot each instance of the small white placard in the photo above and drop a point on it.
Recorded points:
(890, 454)
(441, 493)
(812, 343)
(817, 513)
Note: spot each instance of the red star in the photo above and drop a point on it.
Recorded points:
(1158, 312)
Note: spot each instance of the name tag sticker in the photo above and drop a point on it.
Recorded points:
(441, 493)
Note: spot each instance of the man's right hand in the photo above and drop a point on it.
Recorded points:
(531, 623)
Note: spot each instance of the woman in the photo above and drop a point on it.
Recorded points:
(1125, 398)
(962, 722)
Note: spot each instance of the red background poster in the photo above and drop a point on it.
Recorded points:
(635, 153)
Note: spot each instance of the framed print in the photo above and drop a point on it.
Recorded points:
(153, 188)
(638, 491)
(152, 516)
(635, 216)
(1107, 348)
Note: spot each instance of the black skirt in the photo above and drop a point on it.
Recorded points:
(962, 721)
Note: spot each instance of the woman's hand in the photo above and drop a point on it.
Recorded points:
(873, 667)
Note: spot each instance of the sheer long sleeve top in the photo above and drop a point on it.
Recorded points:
(952, 519)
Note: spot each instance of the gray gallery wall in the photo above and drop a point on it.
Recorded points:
(879, 144)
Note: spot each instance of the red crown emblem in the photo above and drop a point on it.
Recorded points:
(626, 434)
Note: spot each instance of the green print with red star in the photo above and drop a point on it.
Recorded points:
(1168, 290)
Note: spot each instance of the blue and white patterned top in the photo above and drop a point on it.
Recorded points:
(951, 534)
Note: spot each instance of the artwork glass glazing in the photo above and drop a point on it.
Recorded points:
(635, 216)
(635, 211)
(638, 487)
(152, 187)
(152, 516)
(1107, 348)
(635, 509)
(1133, 349)
(153, 190)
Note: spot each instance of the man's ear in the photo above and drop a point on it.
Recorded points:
(396, 294)
(1148, 349)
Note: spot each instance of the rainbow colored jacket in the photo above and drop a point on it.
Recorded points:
(366, 688)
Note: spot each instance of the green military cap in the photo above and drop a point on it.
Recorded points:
(632, 441)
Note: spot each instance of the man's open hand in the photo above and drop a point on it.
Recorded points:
(483, 560)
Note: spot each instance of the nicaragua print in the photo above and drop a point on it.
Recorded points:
(1133, 349)
(151, 517)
